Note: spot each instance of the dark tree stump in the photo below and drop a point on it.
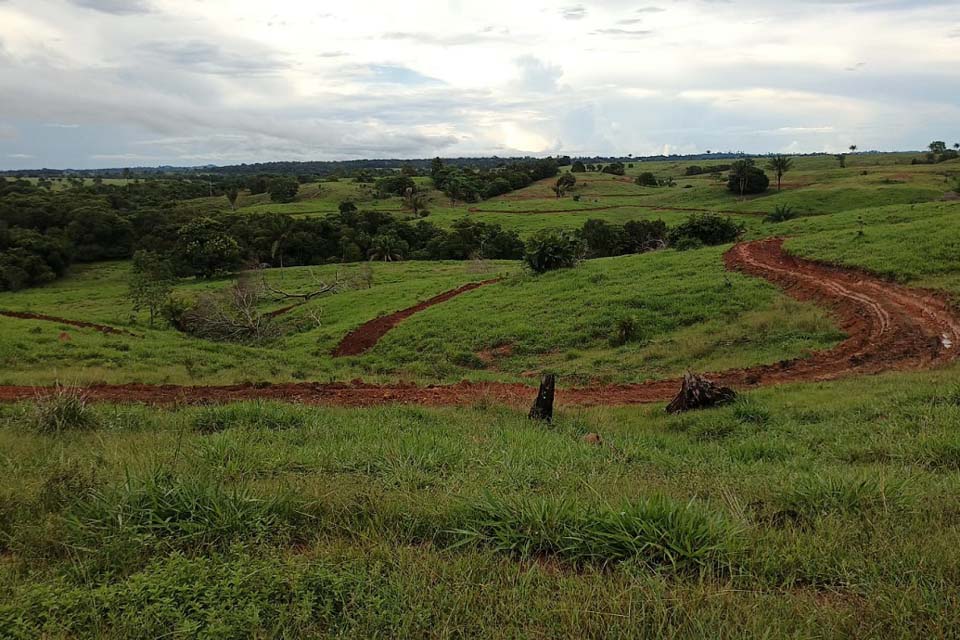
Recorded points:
(543, 406)
(699, 393)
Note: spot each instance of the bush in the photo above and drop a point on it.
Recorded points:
(647, 179)
(64, 410)
(615, 168)
(551, 249)
(626, 329)
(704, 229)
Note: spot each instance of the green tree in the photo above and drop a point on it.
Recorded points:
(388, 247)
(232, 194)
(151, 282)
(780, 165)
(842, 159)
(578, 167)
(204, 249)
(746, 178)
(415, 200)
(283, 189)
(938, 146)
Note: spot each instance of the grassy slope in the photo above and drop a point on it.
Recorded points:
(836, 505)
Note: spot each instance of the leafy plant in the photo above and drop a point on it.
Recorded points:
(550, 250)
(781, 213)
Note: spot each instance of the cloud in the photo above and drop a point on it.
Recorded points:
(395, 74)
(116, 7)
(623, 32)
(537, 75)
(575, 12)
(203, 57)
(20, 156)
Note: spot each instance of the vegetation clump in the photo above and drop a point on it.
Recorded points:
(654, 532)
(551, 250)
(704, 229)
(62, 411)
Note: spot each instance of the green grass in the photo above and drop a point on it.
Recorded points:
(819, 510)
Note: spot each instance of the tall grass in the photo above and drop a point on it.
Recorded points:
(63, 410)
(654, 532)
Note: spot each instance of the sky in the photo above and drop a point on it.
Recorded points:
(114, 83)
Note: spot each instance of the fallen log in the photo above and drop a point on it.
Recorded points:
(699, 393)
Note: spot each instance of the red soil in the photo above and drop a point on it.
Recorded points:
(23, 315)
(891, 327)
(364, 337)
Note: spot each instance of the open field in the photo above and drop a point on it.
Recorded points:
(825, 508)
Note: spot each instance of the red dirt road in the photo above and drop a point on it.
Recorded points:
(366, 336)
(102, 328)
(891, 327)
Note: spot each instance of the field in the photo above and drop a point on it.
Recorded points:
(822, 503)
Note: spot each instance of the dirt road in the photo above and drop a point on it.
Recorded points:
(890, 327)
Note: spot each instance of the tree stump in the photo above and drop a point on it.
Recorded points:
(699, 393)
(543, 406)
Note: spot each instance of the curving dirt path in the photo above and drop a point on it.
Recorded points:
(891, 327)
(102, 328)
(366, 336)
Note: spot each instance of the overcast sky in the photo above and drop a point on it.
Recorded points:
(106, 83)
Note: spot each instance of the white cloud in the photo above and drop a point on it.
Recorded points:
(89, 82)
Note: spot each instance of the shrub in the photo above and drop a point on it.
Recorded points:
(705, 229)
(781, 213)
(647, 179)
(551, 249)
(626, 329)
(283, 189)
(63, 410)
(615, 168)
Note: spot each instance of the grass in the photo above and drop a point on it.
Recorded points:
(807, 510)
(822, 510)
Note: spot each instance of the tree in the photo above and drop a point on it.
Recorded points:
(283, 189)
(853, 148)
(615, 168)
(780, 165)
(746, 178)
(415, 200)
(151, 282)
(232, 194)
(205, 250)
(388, 247)
(842, 159)
(938, 146)
(564, 183)
(578, 167)
(647, 179)
(956, 145)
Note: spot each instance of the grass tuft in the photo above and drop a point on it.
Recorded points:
(654, 532)
(64, 410)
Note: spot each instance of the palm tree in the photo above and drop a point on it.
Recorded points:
(387, 247)
(780, 165)
(956, 145)
(853, 148)
(415, 200)
(740, 170)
